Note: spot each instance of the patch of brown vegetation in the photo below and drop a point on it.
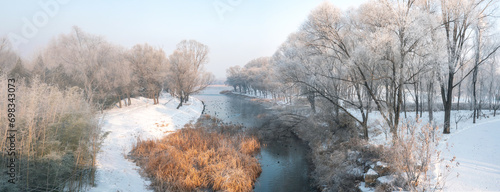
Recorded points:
(162, 124)
(197, 158)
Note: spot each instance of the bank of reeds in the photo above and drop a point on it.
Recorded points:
(201, 156)
(50, 138)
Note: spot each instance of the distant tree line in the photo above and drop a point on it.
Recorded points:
(108, 73)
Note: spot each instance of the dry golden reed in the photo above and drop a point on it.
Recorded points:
(196, 159)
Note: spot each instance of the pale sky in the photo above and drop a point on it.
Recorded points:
(236, 31)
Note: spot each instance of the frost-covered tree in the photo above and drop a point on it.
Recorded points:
(149, 66)
(120, 82)
(235, 77)
(396, 39)
(319, 59)
(257, 73)
(186, 71)
(8, 57)
(83, 56)
(458, 17)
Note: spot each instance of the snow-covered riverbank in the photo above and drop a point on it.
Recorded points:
(123, 126)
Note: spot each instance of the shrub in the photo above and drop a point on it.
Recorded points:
(412, 154)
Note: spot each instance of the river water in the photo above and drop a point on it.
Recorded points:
(283, 161)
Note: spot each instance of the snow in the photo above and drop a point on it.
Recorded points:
(475, 146)
(363, 188)
(123, 126)
(477, 151)
(388, 180)
(381, 164)
(379, 133)
(371, 172)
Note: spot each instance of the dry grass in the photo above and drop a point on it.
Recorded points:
(413, 153)
(196, 158)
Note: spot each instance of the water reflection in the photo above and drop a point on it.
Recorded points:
(284, 166)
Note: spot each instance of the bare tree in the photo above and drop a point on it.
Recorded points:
(484, 51)
(82, 55)
(235, 77)
(187, 74)
(149, 66)
(458, 18)
(8, 58)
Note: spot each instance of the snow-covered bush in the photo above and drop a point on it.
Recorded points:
(412, 155)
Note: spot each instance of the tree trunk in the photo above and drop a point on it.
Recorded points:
(474, 80)
(180, 103)
(119, 101)
(153, 94)
(495, 111)
(311, 99)
(430, 100)
(128, 98)
(157, 97)
(447, 98)
(365, 126)
(416, 99)
(490, 95)
(421, 98)
(397, 110)
(459, 93)
(475, 114)
(404, 105)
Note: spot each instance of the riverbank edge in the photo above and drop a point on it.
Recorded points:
(268, 103)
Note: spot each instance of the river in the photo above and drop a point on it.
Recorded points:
(283, 161)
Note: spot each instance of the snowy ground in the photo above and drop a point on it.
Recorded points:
(475, 146)
(123, 127)
(477, 149)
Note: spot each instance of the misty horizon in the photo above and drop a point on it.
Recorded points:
(235, 31)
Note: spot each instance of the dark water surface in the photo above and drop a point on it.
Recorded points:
(284, 163)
